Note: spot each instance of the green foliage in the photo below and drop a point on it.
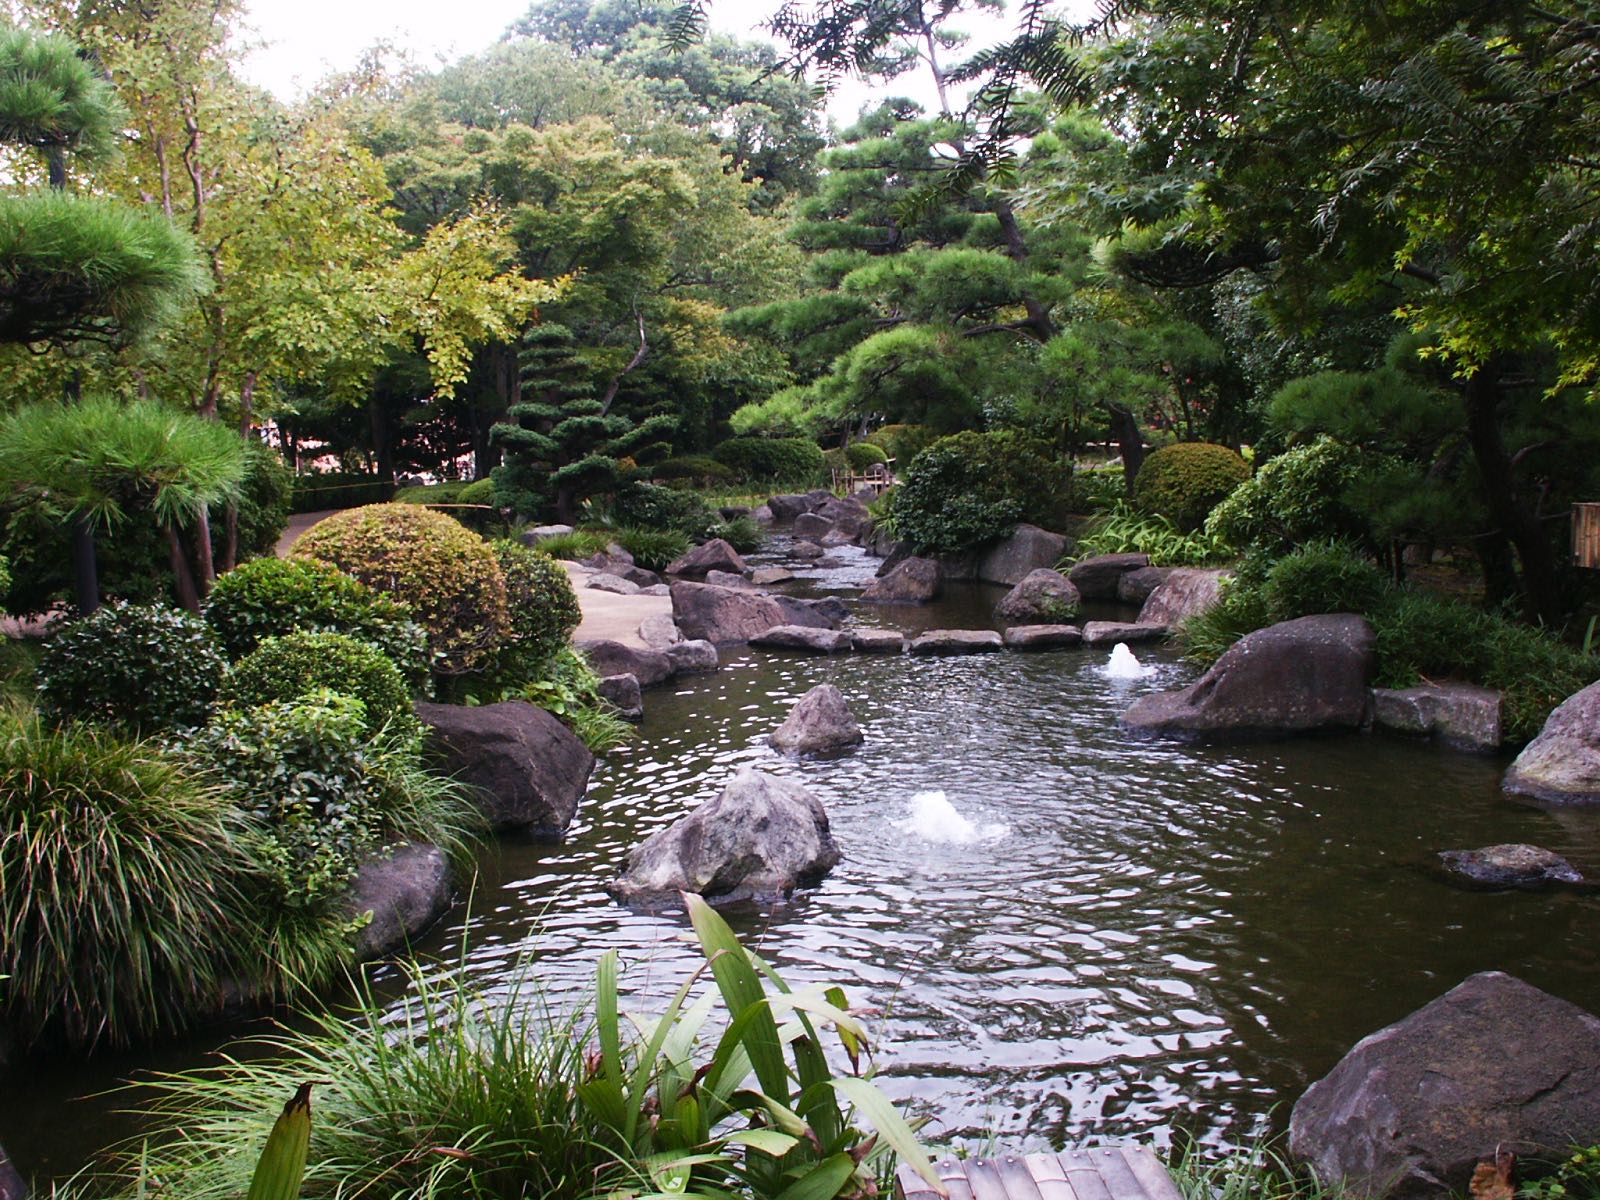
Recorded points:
(697, 469)
(1185, 481)
(53, 99)
(645, 506)
(444, 573)
(448, 492)
(744, 534)
(772, 460)
(575, 546)
(315, 491)
(262, 505)
(143, 667)
(902, 443)
(969, 489)
(19, 661)
(1576, 1177)
(1295, 498)
(1257, 1172)
(298, 767)
(1123, 530)
(270, 597)
(479, 491)
(1328, 577)
(1207, 635)
(861, 455)
(544, 612)
(121, 870)
(300, 664)
(570, 690)
(652, 549)
(1099, 489)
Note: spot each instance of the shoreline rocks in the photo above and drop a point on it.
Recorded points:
(1042, 597)
(1562, 764)
(1186, 592)
(1461, 715)
(957, 641)
(912, 581)
(406, 889)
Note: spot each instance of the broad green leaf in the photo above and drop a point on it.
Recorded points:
(824, 1181)
(282, 1165)
(743, 993)
(872, 1104)
(767, 1141)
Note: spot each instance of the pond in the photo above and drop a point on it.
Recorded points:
(1067, 934)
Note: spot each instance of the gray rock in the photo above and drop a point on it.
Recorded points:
(693, 657)
(830, 609)
(1300, 676)
(1042, 637)
(1134, 587)
(763, 515)
(878, 641)
(914, 581)
(525, 768)
(659, 630)
(622, 693)
(12, 1185)
(732, 512)
(715, 555)
(835, 538)
(723, 616)
(604, 581)
(1493, 1063)
(1562, 764)
(767, 576)
(817, 497)
(806, 550)
(1027, 550)
(640, 576)
(726, 579)
(1187, 592)
(655, 589)
(1458, 714)
(848, 515)
(1097, 578)
(957, 641)
(613, 559)
(406, 889)
(812, 527)
(959, 568)
(820, 722)
(787, 508)
(897, 553)
(880, 543)
(1041, 598)
(539, 533)
(1109, 633)
(649, 667)
(758, 840)
(1512, 865)
(802, 637)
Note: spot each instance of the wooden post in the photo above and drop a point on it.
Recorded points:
(1586, 535)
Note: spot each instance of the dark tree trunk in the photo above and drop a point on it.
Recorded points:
(85, 567)
(188, 594)
(382, 439)
(1125, 432)
(1540, 592)
(1499, 567)
(202, 551)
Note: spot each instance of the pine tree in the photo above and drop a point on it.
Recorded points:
(563, 445)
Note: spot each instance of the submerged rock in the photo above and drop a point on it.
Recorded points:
(1109, 633)
(622, 693)
(1042, 637)
(1493, 1063)
(759, 839)
(1512, 865)
(819, 722)
(1096, 578)
(913, 581)
(1299, 676)
(957, 641)
(1043, 597)
(803, 637)
(1562, 764)
(406, 889)
(878, 641)
(693, 657)
(526, 769)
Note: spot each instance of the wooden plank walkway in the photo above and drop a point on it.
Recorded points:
(1098, 1173)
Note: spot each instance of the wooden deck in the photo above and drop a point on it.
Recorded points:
(1099, 1173)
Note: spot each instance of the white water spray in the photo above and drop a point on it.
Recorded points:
(934, 819)
(1124, 665)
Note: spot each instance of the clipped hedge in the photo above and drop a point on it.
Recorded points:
(286, 668)
(647, 506)
(544, 608)
(772, 460)
(858, 456)
(448, 576)
(970, 489)
(1185, 481)
(318, 490)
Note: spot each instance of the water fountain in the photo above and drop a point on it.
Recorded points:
(934, 819)
(1124, 665)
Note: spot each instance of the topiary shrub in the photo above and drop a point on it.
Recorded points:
(902, 443)
(1327, 578)
(444, 573)
(285, 668)
(271, 597)
(646, 506)
(144, 667)
(120, 869)
(1295, 498)
(772, 460)
(858, 456)
(544, 608)
(447, 492)
(695, 468)
(973, 488)
(479, 491)
(1185, 481)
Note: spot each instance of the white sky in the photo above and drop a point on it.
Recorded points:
(303, 40)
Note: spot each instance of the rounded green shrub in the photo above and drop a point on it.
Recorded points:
(969, 489)
(902, 443)
(270, 597)
(479, 491)
(544, 608)
(1323, 578)
(444, 573)
(448, 492)
(858, 456)
(1185, 481)
(121, 868)
(285, 668)
(145, 667)
(647, 506)
(696, 468)
(772, 460)
(1295, 498)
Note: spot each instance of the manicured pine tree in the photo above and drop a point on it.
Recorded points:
(563, 445)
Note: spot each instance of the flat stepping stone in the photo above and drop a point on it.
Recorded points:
(957, 641)
(1042, 637)
(1106, 633)
(803, 637)
(878, 641)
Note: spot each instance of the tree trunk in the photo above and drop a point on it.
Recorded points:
(85, 568)
(188, 594)
(202, 551)
(1125, 431)
(1540, 592)
(382, 440)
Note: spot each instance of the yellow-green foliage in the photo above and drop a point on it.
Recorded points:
(1185, 481)
(447, 575)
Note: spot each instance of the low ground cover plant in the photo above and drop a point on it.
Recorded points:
(1124, 530)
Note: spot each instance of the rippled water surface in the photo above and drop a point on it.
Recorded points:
(1134, 937)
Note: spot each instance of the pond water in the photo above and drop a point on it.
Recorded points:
(1067, 934)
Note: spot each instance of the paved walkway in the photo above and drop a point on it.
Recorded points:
(606, 616)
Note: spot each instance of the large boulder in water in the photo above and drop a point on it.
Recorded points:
(722, 615)
(760, 839)
(527, 770)
(848, 514)
(1097, 578)
(1027, 550)
(1134, 587)
(1044, 597)
(812, 527)
(913, 581)
(715, 555)
(406, 889)
(1299, 676)
(819, 722)
(1493, 1063)
(607, 657)
(1186, 592)
(788, 507)
(1562, 764)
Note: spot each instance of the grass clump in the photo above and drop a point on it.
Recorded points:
(577, 545)
(652, 549)
(1258, 1172)
(1124, 530)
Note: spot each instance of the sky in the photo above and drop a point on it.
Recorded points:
(303, 40)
